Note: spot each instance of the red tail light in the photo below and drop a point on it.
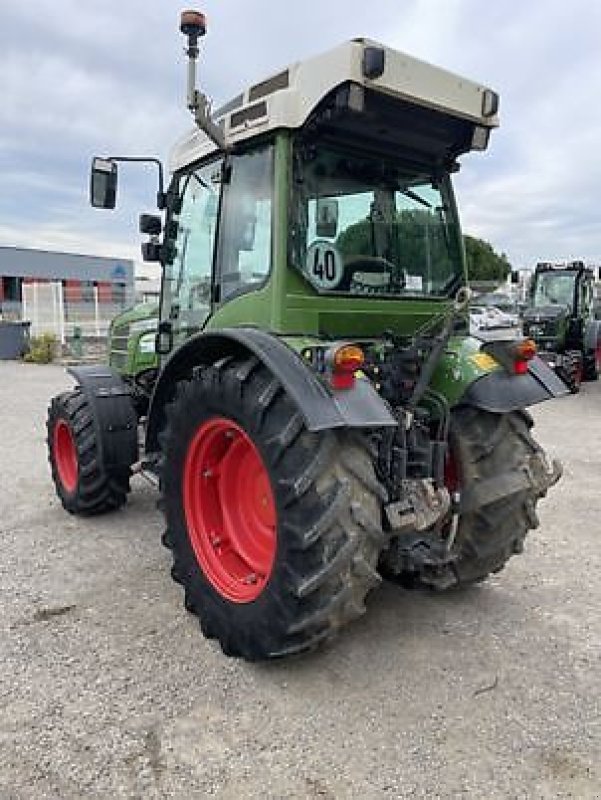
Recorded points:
(520, 367)
(345, 362)
(523, 352)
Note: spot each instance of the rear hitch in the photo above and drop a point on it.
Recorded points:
(421, 507)
(414, 549)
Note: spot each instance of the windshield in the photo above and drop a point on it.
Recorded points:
(366, 226)
(554, 289)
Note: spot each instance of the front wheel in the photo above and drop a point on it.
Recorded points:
(274, 530)
(83, 482)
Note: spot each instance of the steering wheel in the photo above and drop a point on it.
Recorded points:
(372, 265)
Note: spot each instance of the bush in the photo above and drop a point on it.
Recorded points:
(42, 349)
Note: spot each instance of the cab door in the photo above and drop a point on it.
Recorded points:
(187, 296)
(244, 249)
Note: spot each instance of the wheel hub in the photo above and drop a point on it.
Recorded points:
(65, 455)
(230, 510)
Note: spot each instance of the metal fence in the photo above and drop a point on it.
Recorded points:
(50, 309)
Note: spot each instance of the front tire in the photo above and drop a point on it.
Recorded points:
(83, 483)
(274, 530)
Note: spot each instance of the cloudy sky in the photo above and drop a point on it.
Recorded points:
(108, 77)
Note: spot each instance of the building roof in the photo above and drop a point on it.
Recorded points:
(22, 262)
(286, 99)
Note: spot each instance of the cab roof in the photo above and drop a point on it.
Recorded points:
(287, 98)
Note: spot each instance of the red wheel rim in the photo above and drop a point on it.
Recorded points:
(230, 511)
(65, 455)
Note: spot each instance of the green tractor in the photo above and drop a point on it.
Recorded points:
(132, 350)
(317, 416)
(561, 320)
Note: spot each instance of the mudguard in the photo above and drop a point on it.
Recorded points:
(322, 409)
(115, 419)
(500, 392)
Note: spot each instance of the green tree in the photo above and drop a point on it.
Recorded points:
(483, 263)
(415, 240)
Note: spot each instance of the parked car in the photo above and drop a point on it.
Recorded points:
(489, 318)
(503, 302)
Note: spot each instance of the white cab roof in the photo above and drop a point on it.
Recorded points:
(286, 99)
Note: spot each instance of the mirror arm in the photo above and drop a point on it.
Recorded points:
(161, 196)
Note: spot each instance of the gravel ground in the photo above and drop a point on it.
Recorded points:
(108, 689)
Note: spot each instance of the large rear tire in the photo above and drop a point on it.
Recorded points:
(274, 530)
(500, 473)
(83, 483)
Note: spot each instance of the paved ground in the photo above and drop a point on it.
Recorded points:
(108, 690)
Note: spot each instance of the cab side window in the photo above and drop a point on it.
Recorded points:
(244, 247)
(188, 278)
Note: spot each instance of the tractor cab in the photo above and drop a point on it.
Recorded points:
(567, 286)
(327, 207)
(561, 320)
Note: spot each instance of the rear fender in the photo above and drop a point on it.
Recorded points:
(467, 375)
(462, 363)
(322, 409)
(501, 392)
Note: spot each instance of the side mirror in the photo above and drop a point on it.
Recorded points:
(103, 183)
(326, 218)
(150, 224)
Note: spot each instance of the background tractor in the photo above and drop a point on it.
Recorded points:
(561, 320)
(317, 415)
(132, 350)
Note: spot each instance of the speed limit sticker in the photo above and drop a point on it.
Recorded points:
(324, 265)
